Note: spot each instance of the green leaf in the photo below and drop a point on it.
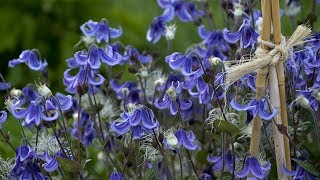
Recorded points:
(77, 150)
(226, 127)
(307, 166)
(69, 165)
(202, 157)
(150, 174)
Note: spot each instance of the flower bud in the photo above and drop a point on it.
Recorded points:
(304, 102)
(44, 90)
(82, 89)
(159, 81)
(170, 31)
(172, 140)
(125, 90)
(143, 72)
(238, 10)
(316, 94)
(171, 92)
(15, 92)
(8, 103)
(214, 60)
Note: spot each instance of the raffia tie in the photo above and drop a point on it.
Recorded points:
(278, 53)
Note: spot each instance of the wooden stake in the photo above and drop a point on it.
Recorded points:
(281, 79)
(274, 92)
(261, 79)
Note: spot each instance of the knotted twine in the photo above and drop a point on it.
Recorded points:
(278, 53)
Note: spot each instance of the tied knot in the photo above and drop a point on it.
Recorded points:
(278, 52)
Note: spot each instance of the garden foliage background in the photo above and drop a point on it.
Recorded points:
(52, 26)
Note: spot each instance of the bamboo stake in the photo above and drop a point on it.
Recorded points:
(261, 79)
(274, 93)
(281, 79)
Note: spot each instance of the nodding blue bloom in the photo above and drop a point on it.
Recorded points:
(35, 111)
(24, 166)
(157, 27)
(30, 58)
(256, 107)
(4, 86)
(65, 101)
(213, 39)
(187, 64)
(51, 164)
(184, 138)
(115, 175)
(100, 30)
(252, 165)
(218, 161)
(171, 100)
(110, 56)
(298, 173)
(249, 81)
(311, 95)
(207, 52)
(88, 133)
(3, 117)
(132, 53)
(186, 11)
(141, 120)
(204, 91)
(246, 34)
(132, 95)
(205, 176)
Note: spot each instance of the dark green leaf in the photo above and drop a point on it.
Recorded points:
(69, 165)
(202, 157)
(307, 166)
(226, 127)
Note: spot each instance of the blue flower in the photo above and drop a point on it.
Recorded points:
(252, 165)
(256, 107)
(132, 94)
(100, 30)
(213, 38)
(34, 113)
(186, 11)
(4, 86)
(169, 100)
(203, 92)
(132, 53)
(141, 120)
(110, 56)
(115, 175)
(218, 160)
(51, 164)
(30, 58)
(298, 173)
(3, 117)
(184, 138)
(246, 34)
(188, 64)
(87, 131)
(311, 96)
(157, 27)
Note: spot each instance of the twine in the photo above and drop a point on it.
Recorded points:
(263, 57)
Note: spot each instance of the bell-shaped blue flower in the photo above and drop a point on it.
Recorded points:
(100, 30)
(157, 27)
(298, 173)
(115, 175)
(4, 86)
(3, 117)
(30, 58)
(187, 64)
(51, 164)
(218, 161)
(246, 34)
(213, 38)
(186, 139)
(252, 165)
(256, 107)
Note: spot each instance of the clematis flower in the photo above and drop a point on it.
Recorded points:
(184, 138)
(115, 175)
(30, 58)
(218, 160)
(298, 173)
(140, 118)
(4, 86)
(246, 34)
(252, 165)
(157, 27)
(203, 91)
(88, 133)
(129, 88)
(187, 64)
(51, 164)
(3, 117)
(256, 107)
(132, 53)
(213, 38)
(171, 100)
(100, 30)
(186, 11)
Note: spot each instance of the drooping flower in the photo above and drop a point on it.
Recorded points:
(127, 90)
(203, 90)
(213, 38)
(184, 138)
(256, 107)
(100, 30)
(115, 175)
(4, 86)
(218, 161)
(252, 165)
(298, 173)
(31, 59)
(158, 27)
(186, 11)
(87, 131)
(139, 118)
(3, 117)
(246, 34)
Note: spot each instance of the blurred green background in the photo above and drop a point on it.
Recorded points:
(52, 26)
